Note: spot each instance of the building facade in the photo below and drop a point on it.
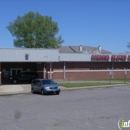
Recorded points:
(65, 63)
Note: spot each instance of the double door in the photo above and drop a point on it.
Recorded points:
(15, 72)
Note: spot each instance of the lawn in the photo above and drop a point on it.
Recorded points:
(70, 85)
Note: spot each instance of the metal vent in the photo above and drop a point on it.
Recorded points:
(26, 56)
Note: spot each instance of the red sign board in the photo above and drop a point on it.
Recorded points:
(113, 58)
(100, 57)
(118, 58)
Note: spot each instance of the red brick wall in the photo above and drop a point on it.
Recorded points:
(73, 70)
(57, 76)
(120, 74)
(57, 65)
(87, 75)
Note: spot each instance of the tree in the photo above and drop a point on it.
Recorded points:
(35, 31)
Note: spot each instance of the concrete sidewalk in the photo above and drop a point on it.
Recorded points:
(26, 88)
(14, 89)
(17, 89)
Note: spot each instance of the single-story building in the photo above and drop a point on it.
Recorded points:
(65, 63)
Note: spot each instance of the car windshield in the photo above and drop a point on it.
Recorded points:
(48, 82)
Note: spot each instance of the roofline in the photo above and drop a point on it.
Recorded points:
(29, 49)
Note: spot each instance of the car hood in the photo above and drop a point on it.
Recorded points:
(50, 85)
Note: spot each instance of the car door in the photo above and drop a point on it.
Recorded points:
(33, 84)
(37, 86)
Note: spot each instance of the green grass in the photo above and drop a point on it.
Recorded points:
(71, 85)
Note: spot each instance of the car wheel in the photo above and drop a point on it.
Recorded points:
(14, 81)
(57, 93)
(42, 92)
(32, 90)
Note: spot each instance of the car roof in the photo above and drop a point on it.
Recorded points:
(28, 72)
(43, 79)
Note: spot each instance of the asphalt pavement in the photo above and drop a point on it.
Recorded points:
(84, 109)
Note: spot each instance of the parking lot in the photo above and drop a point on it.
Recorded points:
(85, 109)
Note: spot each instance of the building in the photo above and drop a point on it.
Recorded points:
(65, 63)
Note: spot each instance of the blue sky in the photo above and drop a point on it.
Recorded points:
(81, 22)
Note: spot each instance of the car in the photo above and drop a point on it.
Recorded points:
(24, 76)
(45, 86)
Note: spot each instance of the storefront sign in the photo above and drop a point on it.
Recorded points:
(100, 57)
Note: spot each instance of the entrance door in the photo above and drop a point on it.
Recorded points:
(15, 72)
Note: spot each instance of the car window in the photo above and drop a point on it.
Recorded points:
(48, 82)
(38, 82)
(34, 81)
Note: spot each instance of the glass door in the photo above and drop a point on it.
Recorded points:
(15, 72)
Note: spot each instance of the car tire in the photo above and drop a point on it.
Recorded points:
(32, 90)
(14, 81)
(57, 93)
(42, 92)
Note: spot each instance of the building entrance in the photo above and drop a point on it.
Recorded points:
(14, 72)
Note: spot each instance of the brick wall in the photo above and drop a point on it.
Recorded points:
(57, 65)
(121, 74)
(87, 75)
(91, 70)
(58, 76)
(74, 70)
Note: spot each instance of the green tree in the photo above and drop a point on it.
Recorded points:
(35, 31)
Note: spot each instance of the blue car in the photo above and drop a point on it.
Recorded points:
(44, 86)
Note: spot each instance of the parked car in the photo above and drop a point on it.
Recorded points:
(25, 76)
(45, 86)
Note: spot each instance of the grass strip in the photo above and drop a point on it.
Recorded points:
(71, 85)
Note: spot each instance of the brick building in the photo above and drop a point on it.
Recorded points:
(67, 62)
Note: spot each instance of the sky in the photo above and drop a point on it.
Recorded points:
(104, 23)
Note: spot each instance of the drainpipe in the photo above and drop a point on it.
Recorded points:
(112, 70)
(64, 71)
(44, 69)
(50, 70)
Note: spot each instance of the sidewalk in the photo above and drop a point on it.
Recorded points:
(17, 89)
(26, 88)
